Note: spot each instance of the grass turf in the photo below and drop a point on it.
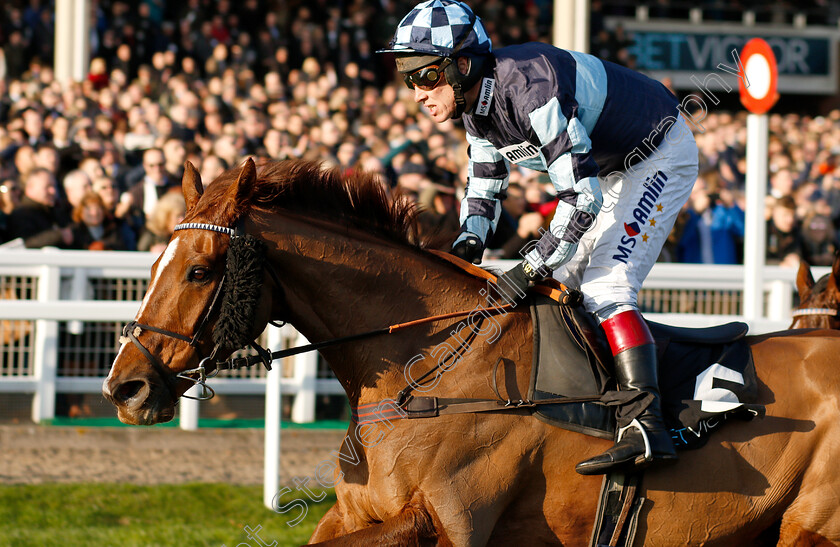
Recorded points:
(48, 515)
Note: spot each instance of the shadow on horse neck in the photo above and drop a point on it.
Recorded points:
(819, 301)
(343, 258)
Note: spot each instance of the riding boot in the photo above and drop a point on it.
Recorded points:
(644, 438)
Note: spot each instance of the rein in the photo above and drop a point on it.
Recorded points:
(264, 356)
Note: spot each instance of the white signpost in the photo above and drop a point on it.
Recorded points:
(758, 94)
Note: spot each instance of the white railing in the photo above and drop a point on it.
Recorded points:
(62, 296)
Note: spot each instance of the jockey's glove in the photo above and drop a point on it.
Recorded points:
(514, 282)
(468, 247)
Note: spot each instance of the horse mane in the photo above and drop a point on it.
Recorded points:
(305, 187)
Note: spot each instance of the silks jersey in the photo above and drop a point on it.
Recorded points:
(566, 113)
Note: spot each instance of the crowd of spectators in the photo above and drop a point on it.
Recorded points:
(97, 164)
(802, 206)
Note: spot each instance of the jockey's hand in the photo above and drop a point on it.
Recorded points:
(514, 282)
(468, 248)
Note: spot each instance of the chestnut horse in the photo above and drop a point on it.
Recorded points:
(342, 260)
(819, 301)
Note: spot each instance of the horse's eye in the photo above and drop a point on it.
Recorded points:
(199, 273)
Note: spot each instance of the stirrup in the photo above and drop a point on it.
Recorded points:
(648, 456)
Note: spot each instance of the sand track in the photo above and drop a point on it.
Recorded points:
(31, 454)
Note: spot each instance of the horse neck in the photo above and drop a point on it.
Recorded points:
(338, 282)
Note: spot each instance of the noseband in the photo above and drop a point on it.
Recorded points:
(132, 330)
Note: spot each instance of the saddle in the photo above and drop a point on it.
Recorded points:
(705, 374)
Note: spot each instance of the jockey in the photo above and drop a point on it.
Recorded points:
(619, 154)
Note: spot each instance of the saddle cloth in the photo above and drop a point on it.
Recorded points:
(706, 376)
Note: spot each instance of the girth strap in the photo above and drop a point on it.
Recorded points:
(432, 407)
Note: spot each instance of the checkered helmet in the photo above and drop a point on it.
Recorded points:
(436, 27)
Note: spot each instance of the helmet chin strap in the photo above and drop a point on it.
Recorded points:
(460, 101)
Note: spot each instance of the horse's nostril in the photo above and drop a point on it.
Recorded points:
(128, 390)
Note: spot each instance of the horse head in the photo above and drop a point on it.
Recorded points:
(168, 343)
(819, 301)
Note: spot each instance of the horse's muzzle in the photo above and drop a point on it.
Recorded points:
(137, 402)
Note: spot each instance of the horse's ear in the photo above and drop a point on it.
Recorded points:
(240, 192)
(834, 280)
(191, 185)
(804, 280)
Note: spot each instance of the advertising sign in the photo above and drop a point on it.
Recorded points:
(806, 58)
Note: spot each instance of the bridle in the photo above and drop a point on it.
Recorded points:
(132, 330)
(808, 312)
(814, 311)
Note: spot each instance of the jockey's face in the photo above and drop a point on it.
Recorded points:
(439, 101)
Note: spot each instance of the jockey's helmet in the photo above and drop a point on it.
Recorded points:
(438, 32)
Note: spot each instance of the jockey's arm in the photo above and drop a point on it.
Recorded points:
(567, 151)
(489, 172)
(574, 174)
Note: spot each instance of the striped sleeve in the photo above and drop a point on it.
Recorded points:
(488, 179)
(567, 151)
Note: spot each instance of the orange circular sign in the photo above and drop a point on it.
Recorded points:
(758, 83)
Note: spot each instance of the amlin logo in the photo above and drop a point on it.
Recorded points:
(641, 213)
(485, 97)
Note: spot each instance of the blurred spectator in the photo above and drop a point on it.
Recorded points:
(92, 168)
(819, 243)
(98, 74)
(438, 216)
(48, 158)
(211, 168)
(91, 227)
(76, 185)
(25, 160)
(37, 219)
(516, 226)
(168, 212)
(174, 154)
(10, 192)
(714, 229)
(153, 183)
(784, 240)
(781, 183)
(118, 213)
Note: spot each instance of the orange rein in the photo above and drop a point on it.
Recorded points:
(551, 288)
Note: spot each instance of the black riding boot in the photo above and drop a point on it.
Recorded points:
(636, 369)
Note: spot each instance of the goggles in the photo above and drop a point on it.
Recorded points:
(426, 78)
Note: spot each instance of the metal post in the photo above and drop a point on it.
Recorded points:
(306, 371)
(271, 455)
(81, 39)
(755, 228)
(79, 290)
(63, 59)
(46, 348)
(581, 38)
(780, 301)
(189, 410)
(564, 24)
(72, 40)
